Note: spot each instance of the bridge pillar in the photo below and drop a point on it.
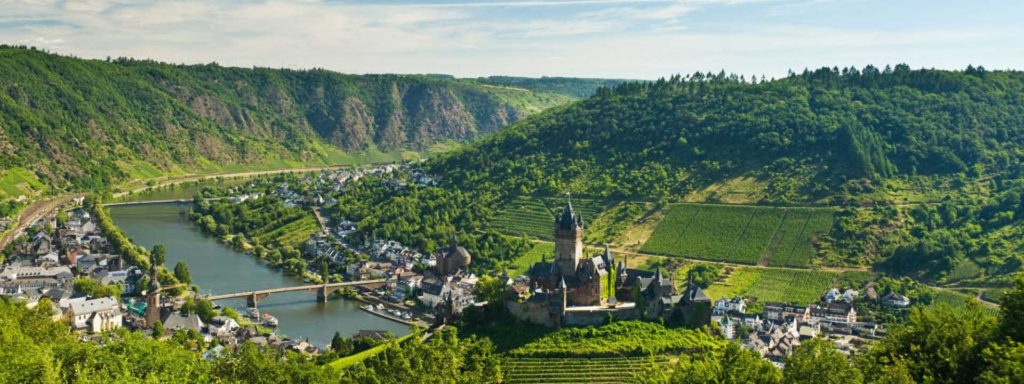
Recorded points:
(254, 298)
(321, 294)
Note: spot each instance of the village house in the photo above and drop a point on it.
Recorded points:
(839, 312)
(895, 300)
(781, 312)
(96, 315)
(734, 305)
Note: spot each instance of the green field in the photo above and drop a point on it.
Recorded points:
(288, 231)
(764, 284)
(534, 216)
(578, 369)
(522, 264)
(741, 234)
(16, 181)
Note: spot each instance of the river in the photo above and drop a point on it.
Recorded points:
(219, 269)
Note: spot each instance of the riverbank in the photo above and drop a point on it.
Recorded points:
(219, 269)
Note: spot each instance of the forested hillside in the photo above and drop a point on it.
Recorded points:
(819, 137)
(925, 164)
(86, 123)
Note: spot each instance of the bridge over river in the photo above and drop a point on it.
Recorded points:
(322, 291)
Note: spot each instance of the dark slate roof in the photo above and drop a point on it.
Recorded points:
(458, 251)
(695, 294)
(569, 219)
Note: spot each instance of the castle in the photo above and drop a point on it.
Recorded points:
(573, 289)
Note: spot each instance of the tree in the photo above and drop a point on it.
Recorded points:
(728, 365)
(490, 289)
(938, 344)
(341, 345)
(818, 362)
(182, 273)
(158, 330)
(1012, 312)
(1004, 364)
(325, 272)
(158, 254)
(204, 308)
(62, 218)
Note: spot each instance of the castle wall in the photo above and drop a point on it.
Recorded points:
(534, 312)
(599, 315)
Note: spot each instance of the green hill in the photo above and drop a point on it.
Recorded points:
(923, 166)
(819, 137)
(87, 123)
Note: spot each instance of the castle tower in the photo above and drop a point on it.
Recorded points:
(153, 299)
(568, 239)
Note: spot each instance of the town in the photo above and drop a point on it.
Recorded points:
(69, 262)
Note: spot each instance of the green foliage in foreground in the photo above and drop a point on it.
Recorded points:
(443, 358)
(39, 350)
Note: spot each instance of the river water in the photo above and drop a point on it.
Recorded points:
(217, 268)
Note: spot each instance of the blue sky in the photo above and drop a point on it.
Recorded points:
(590, 38)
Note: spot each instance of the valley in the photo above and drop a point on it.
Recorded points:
(619, 230)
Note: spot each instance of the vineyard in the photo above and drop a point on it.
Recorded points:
(534, 216)
(741, 234)
(292, 232)
(578, 369)
(763, 284)
(623, 338)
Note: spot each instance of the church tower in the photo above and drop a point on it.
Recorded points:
(153, 299)
(568, 239)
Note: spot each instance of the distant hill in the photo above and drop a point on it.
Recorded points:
(570, 86)
(86, 123)
(818, 137)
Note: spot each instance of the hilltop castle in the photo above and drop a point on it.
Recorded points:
(573, 289)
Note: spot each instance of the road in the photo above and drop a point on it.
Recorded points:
(188, 178)
(32, 213)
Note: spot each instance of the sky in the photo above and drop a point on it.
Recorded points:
(638, 39)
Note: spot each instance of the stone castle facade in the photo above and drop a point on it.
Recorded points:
(573, 289)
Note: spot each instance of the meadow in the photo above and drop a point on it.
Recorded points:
(775, 236)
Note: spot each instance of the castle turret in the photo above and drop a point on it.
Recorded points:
(568, 239)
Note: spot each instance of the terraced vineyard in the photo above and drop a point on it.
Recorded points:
(801, 287)
(578, 369)
(534, 216)
(740, 234)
